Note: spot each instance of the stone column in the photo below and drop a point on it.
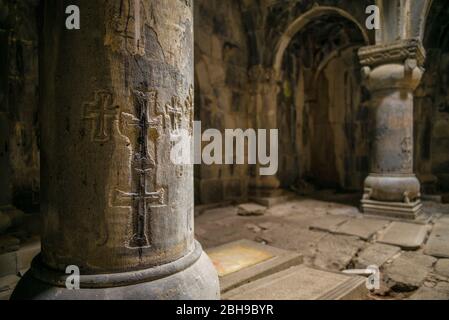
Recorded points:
(392, 72)
(114, 96)
(265, 88)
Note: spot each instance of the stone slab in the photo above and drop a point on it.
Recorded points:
(363, 228)
(8, 283)
(335, 252)
(271, 201)
(5, 295)
(409, 271)
(376, 254)
(408, 211)
(408, 236)
(9, 244)
(251, 209)
(302, 283)
(438, 243)
(8, 264)
(328, 223)
(27, 252)
(442, 267)
(243, 261)
(439, 292)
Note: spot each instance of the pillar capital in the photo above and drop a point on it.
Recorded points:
(398, 65)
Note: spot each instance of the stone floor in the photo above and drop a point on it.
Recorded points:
(333, 235)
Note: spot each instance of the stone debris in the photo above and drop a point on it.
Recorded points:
(408, 272)
(376, 254)
(408, 236)
(251, 209)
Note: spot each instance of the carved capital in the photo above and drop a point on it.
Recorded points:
(396, 52)
(393, 66)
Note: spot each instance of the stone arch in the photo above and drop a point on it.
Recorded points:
(420, 16)
(301, 22)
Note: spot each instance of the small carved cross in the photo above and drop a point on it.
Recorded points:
(101, 112)
(176, 113)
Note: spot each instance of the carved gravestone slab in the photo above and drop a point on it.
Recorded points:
(438, 243)
(302, 283)
(243, 261)
(408, 236)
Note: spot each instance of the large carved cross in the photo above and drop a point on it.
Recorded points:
(143, 164)
(101, 112)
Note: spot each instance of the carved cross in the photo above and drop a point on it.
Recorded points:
(101, 112)
(140, 199)
(141, 202)
(175, 112)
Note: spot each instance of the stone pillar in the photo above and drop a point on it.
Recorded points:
(392, 72)
(265, 88)
(114, 96)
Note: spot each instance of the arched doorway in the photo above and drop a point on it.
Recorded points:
(432, 104)
(321, 105)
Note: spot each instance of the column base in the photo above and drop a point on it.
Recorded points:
(197, 281)
(401, 210)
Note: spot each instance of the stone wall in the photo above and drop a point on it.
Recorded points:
(19, 150)
(324, 126)
(221, 97)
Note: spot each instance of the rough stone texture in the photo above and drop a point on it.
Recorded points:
(8, 264)
(363, 228)
(8, 243)
(375, 255)
(221, 91)
(438, 243)
(251, 209)
(442, 267)
(314, 284)
(439, 292)
(19, 150)
(124, 94)
(408, 236)
(336, 252)
(329, 224)
(408, 271)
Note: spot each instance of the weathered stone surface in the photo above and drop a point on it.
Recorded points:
(375, 255)
(336, 252)
(438, 243)
(302, 283)
(8, 282)
(113, 200)
(362, 228)
(439, 292)
(328, 223)
(408, 236)
(442, 267)
(408, 271)
(8, 244)
(251, 209)
(244, 261)
(8, 264)
(26, 254)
